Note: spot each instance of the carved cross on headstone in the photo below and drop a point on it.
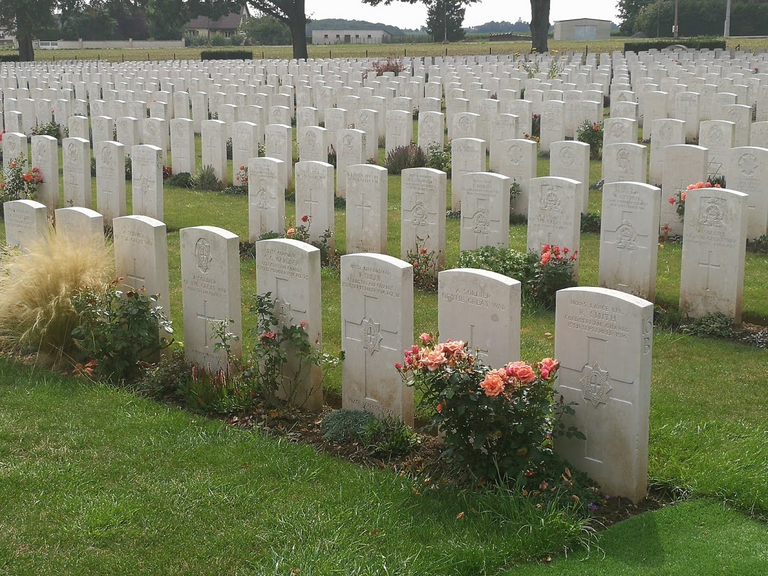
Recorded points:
(137, 281)
(206, 319)
(709, 266)
(372, 336)
(596, 385)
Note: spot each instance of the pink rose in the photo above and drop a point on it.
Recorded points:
(425, 337)
(548, 366)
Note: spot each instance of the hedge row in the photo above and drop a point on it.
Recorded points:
(692, 44)
(226, 55)
(9, 58)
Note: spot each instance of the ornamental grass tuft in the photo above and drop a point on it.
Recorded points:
(36, 289)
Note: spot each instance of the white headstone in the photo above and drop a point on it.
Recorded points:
(629, 238)
(483, 309)
(366, 208)
(604, 342)
(210, 280)
(147, 181)
(484, 210)
(26, 221)
(376, 326)
(314, 199)
(266, 198)
(289, 271)
(423, 214)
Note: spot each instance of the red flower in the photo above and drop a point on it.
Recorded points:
(305, 218)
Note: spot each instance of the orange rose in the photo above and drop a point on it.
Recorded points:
(433, 360)
(521, 371)
(493, 384)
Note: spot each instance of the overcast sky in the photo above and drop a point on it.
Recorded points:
(415, 15)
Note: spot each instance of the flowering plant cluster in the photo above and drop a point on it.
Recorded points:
(167, 172)
(390, 65)
(678, 198)
(241, 178)
(424, 264)
(535, 128)
(553, 272)
(592, 134)
(300, 231)
(19, 183)
(497, 422)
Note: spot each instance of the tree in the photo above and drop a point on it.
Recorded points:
(440, 11)
(629, 10)
(290, 12)
(266, 30)
(25, 18)
(539, 25)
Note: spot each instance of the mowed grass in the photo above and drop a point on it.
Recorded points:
(97, 481)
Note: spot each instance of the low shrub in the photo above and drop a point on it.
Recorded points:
(591, 133)
(207, 180)
(119, 329)
(345, 425)
(182, 180)
(20, 183)
(591, 222)
(540, 276)
(716, 325)
(439, 157)
(403, 157)
(498, 423)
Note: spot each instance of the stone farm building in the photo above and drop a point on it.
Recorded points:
(351, 37)
(583, 29)
(226, 25)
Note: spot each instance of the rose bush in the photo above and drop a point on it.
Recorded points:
(499, 423)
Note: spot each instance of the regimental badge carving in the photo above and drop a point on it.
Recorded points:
(666, 132)
(567, 157)
(419, 213)
(748, 164)
(550, 201)
(482, 222)
(622, 158)
(348, 141)
(716, 134)
(712, 212)
(515, 154)
(262, 199)
(617, 130)
(625, 236)
(594, 384)
(203, 255)
(370, 334)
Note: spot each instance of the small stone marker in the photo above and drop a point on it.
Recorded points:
(290, 271)
(604, 341)
(210, 279)
(481, 308)
(376, 326)
(147, 181)
(266, 198)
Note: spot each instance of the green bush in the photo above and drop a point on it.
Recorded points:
(345, 425)
(226, 55)
(540, 276)
(716, 325)
(439, 157)
(9, 58)
(165, 379)
(693, 44)
(591, 222)
(207, 180)
(403, 157)
(182, 180)
(119, 329)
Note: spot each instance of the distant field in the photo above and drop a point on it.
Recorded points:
(476, 48)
